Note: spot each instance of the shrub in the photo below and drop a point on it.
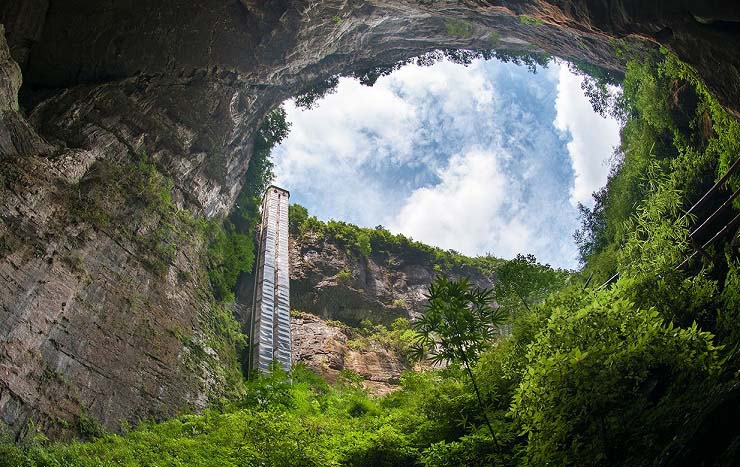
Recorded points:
(11, 454)
(609, 383)
(89, 427)
(472, 450)
(459, 28)
(344, 276)
(385, 447)
(399, 303)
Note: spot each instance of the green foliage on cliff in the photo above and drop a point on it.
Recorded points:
(231, 250)
(530, 20)
(229, 254)
(297, 215)
(600, 86)
(459, 28)
(398, 338)
(610, 382)
(363, 242)
(675, 135)
(131, 201)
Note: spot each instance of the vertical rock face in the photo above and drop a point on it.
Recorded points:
(329, 281)
(329, 349)
(87, 324)
(94, 314)
(334, 289)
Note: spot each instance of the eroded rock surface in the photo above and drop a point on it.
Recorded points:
(87, 325)
(327, 349)
(336, 284)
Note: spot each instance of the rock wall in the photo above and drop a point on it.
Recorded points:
(328, 350)
(329, 281)
(85, 322)
(88, 325)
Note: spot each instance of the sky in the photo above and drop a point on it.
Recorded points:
(483, 159)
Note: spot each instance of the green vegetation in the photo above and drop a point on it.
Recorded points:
(229, 254)
(459, 324)
(344, 276)
(219, 346)
(494, 38)
(676, 141)
(281, 422)
(311, 95)
(611, 382)
(522, 282)
(600, 86)
(530, 20)
(399, 338)
(399, 303)
(557, 371)
(132, 200)
(380, 242)
(297, 215)
(231, 250)
(459, 28)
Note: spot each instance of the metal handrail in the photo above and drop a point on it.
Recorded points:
(707, 195)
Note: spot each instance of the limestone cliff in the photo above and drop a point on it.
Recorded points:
(103, 300)
(328, 348)
(333, 282)
(336, 291)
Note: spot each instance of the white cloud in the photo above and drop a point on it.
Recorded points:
(333, 149)
(593, 137)
(468, 210)
(328, 147)
(465, 158)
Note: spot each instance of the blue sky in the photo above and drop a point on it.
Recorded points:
(488, 158)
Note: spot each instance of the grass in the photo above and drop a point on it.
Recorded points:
(530, 20)
(459, 28)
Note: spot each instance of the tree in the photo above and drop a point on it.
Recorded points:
(522, 282)
(460, 323)
(592, 237)
(311, 95)
(297, 215)
(610, 383)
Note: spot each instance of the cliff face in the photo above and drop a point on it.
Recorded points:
(103, 304)
(104, 308)
(329, 349)
(337, 290)
(335, 283)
